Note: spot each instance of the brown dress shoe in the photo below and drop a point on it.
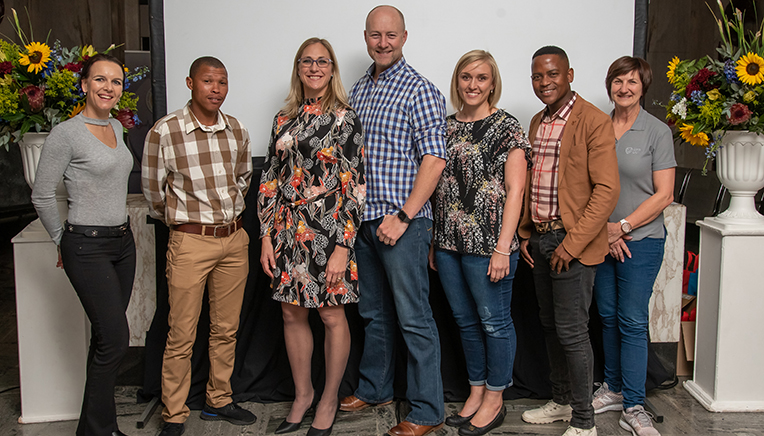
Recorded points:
(406, 428)
(353, 404)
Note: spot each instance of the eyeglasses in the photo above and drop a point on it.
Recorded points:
(308, 62)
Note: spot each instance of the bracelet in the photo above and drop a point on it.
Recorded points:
(501, 252)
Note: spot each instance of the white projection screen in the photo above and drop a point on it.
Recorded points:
(257, 41)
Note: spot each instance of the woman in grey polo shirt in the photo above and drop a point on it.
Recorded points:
(624, 281)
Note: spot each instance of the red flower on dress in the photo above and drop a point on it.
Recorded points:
(296, 177)
(313, 109)
(327, 155)
(739, 113)
(268, 188)
(304, 233)
(349, 230)
(337, 288)
(353, 271)
(285, 278)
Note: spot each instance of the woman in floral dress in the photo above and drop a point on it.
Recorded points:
(477, 209)
(310, 204)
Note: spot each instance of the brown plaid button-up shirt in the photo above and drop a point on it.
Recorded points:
(193, 173)
(546, 163)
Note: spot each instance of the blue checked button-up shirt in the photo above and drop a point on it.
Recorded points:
(404, 118)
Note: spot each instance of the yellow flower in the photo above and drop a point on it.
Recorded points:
(671, 69)
(699, 139)
(88, 50)
(77, 109)
(36, 57)
(750, 69)
(713, 94)
(749, 96)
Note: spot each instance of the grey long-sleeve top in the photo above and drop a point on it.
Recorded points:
(95, 176)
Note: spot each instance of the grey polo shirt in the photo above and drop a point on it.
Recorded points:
(646, 147)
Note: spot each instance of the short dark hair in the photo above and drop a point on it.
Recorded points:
(85, 71)
(551, 50)
(204, 60)
(625, 65)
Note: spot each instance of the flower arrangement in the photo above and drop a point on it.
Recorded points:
(39, 86)
(714, 96)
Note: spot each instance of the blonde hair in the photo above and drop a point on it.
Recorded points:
(335, 96)
(464, 61)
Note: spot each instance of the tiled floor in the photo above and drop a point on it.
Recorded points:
(682, 414)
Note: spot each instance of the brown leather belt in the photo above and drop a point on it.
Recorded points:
(548, 226)
(216, 230)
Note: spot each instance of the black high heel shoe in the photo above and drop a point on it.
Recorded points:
(471, 430)
(288, 427)
(456, 420)
(313, 431)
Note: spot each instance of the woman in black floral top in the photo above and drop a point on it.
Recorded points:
(310, 204)
(477, 208)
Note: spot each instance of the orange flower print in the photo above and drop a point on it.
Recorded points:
(349, 230)
(327, 155)
(285, 278)
(304, 233)
(313, 109)
(337, 208)
(280, 121)
(297, 177)
(337, 288)
(268, 188)
(353, 271)
(345, 177)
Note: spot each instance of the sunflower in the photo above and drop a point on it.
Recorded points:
(750, 69)
(699, 139)
(671, 69)
(38, 54)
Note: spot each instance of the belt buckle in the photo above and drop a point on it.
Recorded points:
(215, 231)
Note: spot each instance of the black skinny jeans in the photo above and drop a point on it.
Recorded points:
(101, 271)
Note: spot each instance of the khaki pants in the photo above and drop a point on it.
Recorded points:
(192, 262)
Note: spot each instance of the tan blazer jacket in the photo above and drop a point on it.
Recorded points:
(588, 182)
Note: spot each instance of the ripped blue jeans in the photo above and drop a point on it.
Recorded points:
(482, 311)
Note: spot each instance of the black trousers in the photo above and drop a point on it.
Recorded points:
(101, 271)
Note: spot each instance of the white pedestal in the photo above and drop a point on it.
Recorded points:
(53, 331)
(729, 346)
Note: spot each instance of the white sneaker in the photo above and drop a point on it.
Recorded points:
(638, 421)
(574, 431)
(549, 412)
(606, 400)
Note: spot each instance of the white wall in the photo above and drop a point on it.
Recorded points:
(257, 41)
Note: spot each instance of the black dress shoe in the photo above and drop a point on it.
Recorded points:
(313, 431)
(456, 420)
(288, 427)
(172, 429)
(471, 430)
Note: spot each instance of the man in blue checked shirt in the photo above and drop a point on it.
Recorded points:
(403, 117)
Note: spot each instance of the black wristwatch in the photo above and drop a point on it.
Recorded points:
(404, 217)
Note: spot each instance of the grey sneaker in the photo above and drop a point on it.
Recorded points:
(549, 412)
(606, 400)
(638, 421)
(574, 431)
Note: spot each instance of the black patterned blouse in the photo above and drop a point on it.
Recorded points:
(311, 198)
(470, 198)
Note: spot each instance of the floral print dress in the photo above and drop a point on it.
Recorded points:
(311, 199)
(470, 197)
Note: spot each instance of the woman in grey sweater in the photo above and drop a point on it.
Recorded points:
(96, 247)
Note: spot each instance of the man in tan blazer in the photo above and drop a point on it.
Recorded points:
(572, 190)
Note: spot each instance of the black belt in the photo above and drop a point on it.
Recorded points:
(99, 231)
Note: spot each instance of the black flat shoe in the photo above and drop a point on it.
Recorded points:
(471, 430)
(456, 420)
(289, 427)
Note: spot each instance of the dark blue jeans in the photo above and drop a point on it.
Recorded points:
(395, 289)
(482, 310)
(623, 293)
(564, 301)
(101, 271)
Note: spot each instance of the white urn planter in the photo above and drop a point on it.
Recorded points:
(740, 168)
(31, 149)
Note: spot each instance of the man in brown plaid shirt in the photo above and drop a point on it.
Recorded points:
(196, 171)
(571, 191)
